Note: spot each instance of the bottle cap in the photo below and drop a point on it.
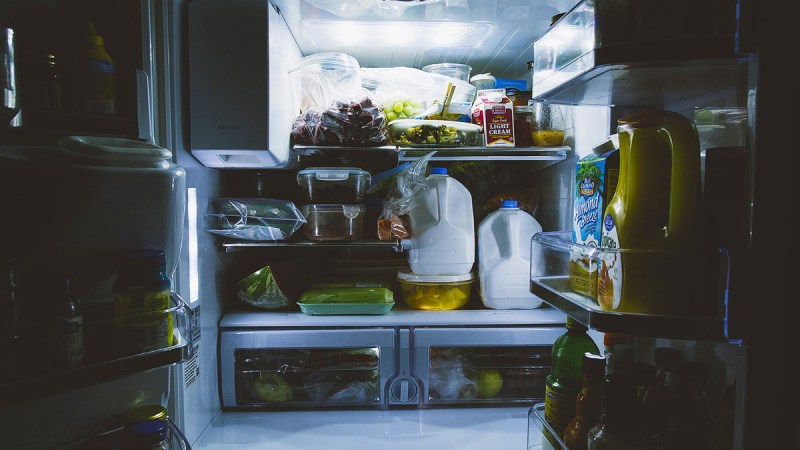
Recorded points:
(146, 412)
(509, 204)
(150, 431)
(593, 363)
(573, 324)
(438, 170)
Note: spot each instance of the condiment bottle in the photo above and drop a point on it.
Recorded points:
(619, 425)
(93, 86)
(150, 435)
(564, 381)
(657, 400)
(141, 302)
(587, 404)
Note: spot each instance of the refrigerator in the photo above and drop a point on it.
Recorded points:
(211, 81)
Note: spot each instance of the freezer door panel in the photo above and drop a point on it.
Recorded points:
(469, 366)
(275, 369)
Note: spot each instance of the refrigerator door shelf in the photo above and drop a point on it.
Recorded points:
(102, 364)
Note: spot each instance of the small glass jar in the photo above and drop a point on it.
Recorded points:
(548, 126)
(150, 435)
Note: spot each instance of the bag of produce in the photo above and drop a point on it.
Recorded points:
(352, 123)
(272, 287)
(259, 219)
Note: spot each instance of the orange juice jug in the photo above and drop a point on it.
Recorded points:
(652, 218)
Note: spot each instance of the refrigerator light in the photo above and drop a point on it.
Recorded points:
(194, 282)
(392, 33)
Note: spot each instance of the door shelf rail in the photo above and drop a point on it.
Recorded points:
(698, 276)
(29, 376)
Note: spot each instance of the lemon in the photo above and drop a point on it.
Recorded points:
(489, 383)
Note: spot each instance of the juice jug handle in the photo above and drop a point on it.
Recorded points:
(685, 152)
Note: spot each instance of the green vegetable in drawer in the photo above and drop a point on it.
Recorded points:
(347, 295)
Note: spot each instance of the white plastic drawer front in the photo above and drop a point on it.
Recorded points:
(306, 368)
(483, 366)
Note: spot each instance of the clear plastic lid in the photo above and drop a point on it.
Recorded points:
(332, 173)
(328, 61)
(106, 151)
(411, 277)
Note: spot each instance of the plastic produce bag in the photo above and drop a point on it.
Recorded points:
(450, 377)
(258, 219)
(271, 287)
(403, 188)
(406, 92)
(356, 123)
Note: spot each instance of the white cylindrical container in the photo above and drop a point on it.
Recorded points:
(79, 204)
(442, 238)
(504, 258)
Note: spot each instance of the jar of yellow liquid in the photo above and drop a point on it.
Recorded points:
(547, 129)
(650, 226)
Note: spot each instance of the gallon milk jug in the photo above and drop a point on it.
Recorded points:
(442, 238)
(504, 258)
(650, 226)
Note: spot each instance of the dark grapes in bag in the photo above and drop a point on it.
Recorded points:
(345, 123)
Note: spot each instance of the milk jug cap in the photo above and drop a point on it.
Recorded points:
(438, 170)
(509, 204)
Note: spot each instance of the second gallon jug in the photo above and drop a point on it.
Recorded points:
(504, 258)
(442, 238)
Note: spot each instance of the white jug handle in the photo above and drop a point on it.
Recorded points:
(513, 227)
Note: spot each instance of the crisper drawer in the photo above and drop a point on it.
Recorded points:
(278, 369)
(483, 365)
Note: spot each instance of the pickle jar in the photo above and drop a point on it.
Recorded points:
(142, 318)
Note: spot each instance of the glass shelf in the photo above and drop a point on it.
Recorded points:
(671, 293)
(403, 154)
(613, 55)
(117, 438)
(101, 362)
(231, 246)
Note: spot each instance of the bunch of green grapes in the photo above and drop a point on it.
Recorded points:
(401, 108)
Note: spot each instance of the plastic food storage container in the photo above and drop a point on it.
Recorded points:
(333, 222)
(319, 79)
(434, 133)
(435, 292)
(460, 71)
(333, 184)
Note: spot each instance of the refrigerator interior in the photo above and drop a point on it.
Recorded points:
(214, 89)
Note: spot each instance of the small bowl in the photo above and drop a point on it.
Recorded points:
(435, 292)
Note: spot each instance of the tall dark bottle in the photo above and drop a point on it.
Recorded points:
(564, 381)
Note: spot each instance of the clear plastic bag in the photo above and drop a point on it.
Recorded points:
(452, 377)
(403, 188)
(272, 287)
(357, 123)
(258, 219)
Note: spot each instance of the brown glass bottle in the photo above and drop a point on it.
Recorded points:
(587, 404)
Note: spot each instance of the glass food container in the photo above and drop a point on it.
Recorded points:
(333, 222)
(333, 184)
(434, 133)
(435, 292)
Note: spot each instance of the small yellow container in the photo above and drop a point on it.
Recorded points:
(435, 292)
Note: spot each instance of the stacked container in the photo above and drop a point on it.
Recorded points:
(335, 196)
(441, 250)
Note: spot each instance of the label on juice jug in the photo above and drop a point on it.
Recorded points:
(609, 283)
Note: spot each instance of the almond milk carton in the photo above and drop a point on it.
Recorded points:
(493, 110)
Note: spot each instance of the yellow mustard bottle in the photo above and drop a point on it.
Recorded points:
(652, 216)
(99, 71)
